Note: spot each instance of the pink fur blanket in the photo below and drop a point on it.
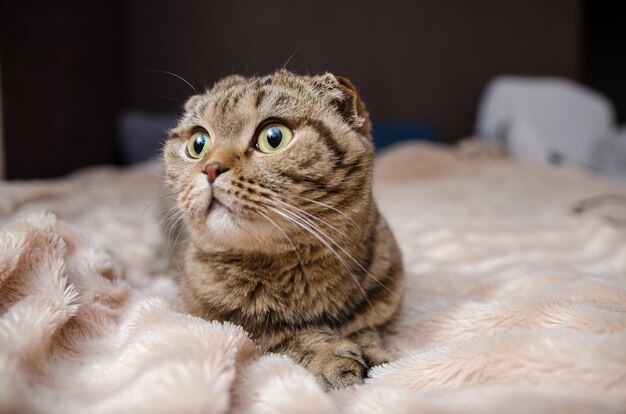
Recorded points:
(513, 302)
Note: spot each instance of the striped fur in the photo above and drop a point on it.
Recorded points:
(289, 245)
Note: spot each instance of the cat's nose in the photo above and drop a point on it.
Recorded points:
(213, 169)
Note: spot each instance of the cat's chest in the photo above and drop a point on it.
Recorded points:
(275, 288)
(287, 294)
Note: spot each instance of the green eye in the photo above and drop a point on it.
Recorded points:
(273, 137)
(198, 144)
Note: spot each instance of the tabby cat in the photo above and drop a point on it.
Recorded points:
(273, 176)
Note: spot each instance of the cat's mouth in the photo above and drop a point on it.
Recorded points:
(222, 206)
(223, 202)
(214, 203)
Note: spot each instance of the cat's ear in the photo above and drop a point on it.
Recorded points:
(191, 102)
(347, 101)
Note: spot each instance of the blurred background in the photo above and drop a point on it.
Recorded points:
(99, 82)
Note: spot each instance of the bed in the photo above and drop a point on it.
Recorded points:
(515, 298)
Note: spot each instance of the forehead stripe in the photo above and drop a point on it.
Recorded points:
(225, 102)
(258, 98)
(327, 137)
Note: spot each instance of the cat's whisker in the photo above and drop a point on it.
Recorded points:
(367, 272)
(285, 235)
(173, 217)
(314, 217)
(147, 205)
(347, 254)
(174, 75)
(180, 218)
(319, 203)
(283, 201)
(197, 68)
(166, 222)
(297, 220)
(316, 227)
(167, 98)
(295, 52)
(169, 214)
(182, 229)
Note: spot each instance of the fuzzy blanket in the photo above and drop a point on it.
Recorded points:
(514, 303)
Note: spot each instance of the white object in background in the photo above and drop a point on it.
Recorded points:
(541, 119)
(609, 157)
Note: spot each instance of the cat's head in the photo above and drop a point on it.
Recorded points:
(254, 161)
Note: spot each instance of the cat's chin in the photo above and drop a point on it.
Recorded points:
(223, 229)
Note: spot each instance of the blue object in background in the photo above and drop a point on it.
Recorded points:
(388, 133)
(141, 135)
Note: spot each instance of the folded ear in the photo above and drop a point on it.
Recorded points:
(191, 102)
(347, 101)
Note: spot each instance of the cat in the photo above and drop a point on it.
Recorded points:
(273, 176)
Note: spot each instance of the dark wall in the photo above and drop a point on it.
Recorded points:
(69, 67)
(62, 78)
(411, 60)
(604, 66)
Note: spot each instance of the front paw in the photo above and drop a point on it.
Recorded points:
(376, 356)
(338, 364)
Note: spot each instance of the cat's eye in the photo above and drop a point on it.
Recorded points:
(273, 137)
(198, 144)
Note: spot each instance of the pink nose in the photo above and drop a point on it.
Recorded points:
(213, 169)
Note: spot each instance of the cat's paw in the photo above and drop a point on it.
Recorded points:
(339, 364)
(376, 356)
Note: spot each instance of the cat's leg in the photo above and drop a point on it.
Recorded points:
(335, 361)
(371, 343)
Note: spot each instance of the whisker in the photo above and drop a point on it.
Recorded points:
(172, 222)
(314, 217)
(167, 98)
(169, 214)
(295, 219)
(145, 209)
(197, 67)
(182, 229)
(173, 74)
(286, 237)
(329, 207)
(294, 53)
(179, 217)
(328, 241)
(175, 213)
(347, 254)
